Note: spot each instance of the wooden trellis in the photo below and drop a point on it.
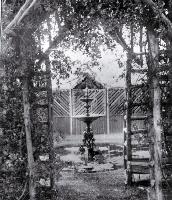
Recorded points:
(108, 103)
(98, 106)
(135, 127)
(153, 103)
(42, 118)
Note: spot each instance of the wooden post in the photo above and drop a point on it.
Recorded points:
(151, 192)
(50, 129)
(107, 112)
(129, 111)
(141, 44)
(27, 122)
(21, 51)
(128, 121)
(71, 111)
(125, 133)
(157, 125)
(50, 120)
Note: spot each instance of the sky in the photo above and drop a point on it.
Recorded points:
(107, 72)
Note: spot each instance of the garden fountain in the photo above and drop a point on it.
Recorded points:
(88, 140)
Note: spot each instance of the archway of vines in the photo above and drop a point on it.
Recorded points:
(62, 24)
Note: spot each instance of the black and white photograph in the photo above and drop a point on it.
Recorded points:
(85, 100)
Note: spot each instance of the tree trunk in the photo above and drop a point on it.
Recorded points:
(128, 122)
(27, 123)
(50, 119)
(157, 125)
(151, 193)
(0, 27)
(160, 14)
(50, 130)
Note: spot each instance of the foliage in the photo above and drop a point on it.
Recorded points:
(13, 147)
(84, 25)
(89, 142)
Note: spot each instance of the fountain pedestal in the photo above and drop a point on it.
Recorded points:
(88, 140)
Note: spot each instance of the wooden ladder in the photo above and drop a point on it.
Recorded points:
(135, 125)
(164, 74)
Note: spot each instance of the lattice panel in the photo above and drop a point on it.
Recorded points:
(97, 105)
(61, 103)
(116, 101)
(141, 97)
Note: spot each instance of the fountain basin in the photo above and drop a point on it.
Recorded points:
(88, 119)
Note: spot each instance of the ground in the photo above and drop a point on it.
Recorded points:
(103, 184)
(97, 186)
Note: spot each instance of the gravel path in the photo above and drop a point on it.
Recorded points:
(107, 185)
(97, 186)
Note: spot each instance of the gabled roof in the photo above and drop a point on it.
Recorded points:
(89, 81)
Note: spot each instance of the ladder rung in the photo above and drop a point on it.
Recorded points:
(141, 53)
(139, 104)
(138, 86)
(167, 167)
(142, 146)
(142, 131)
(140, 71)
(139, 168)
(136, 163)
(139, 117)
(140, 160)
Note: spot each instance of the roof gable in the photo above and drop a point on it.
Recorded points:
(88, 81)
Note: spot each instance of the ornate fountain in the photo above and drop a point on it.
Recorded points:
(88, 119)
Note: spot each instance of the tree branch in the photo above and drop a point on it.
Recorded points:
(122, 42)
(53, 44)
(3, 2)
(26, 11)
(19, 16)
(24, 190)
(129, 50)
(157, 11)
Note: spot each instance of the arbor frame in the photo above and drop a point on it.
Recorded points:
(28, 5)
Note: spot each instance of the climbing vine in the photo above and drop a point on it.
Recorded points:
(84, 25)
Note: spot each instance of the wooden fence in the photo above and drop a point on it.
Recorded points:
(107, 103)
